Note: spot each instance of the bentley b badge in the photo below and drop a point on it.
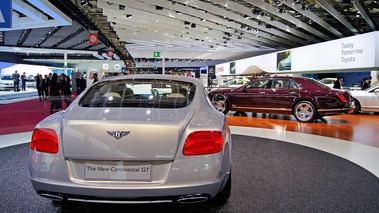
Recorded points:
(118, 134)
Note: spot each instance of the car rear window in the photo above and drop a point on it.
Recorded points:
(141, 93)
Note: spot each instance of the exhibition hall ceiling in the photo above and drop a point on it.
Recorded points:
(181, 30)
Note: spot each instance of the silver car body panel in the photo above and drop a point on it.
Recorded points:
(155, 141)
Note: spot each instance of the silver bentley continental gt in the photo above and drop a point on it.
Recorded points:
(134, 139)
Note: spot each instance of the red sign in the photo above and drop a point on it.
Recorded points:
(93, 38)
(127, 63)
(110, 53)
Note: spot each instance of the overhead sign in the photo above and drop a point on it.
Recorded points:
(93, 38)
(157, 54)
(6, 14)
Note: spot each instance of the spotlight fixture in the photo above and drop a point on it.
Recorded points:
(281, 11)
(86, 3)
(193, 25)
(310, 22)
(272, 19)
(158, 7)
(187, 23)
(256, 12)
(178, 12)
(129, 16)
(298, 15)
(245, 16)
(239, 37)
(121, 7)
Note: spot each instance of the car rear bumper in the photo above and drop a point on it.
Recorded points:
(159, 194)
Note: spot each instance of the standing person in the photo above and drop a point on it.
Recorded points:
(77, 83)
(23, 81)
(364, 84)
(67, 91)
(338, 83)
(83, 84)
(253, 76)
(376, 81)
(16, 81)
(95, 78)
(46, 83)
(55, 94)
(40, 87)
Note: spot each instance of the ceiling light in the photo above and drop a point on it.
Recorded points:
(203, 19)
(158, 8)
(121, 7)
(178, 12)
(129, 16)
(193, 25)
(245, 16)
(239, 37)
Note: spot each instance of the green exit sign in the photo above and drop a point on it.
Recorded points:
(157, 54)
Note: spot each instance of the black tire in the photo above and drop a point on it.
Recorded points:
(357, 106)
(223, 196)
(220, 103)
(304, 111)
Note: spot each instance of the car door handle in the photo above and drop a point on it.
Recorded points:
(293, 93)
(262, 92)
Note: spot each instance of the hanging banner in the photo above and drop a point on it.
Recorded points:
(93, 38)
(6, 14)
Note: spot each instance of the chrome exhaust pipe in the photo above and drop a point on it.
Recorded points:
(55, 197)
(193, 199)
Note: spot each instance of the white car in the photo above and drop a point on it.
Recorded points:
(119, 142)
(328, 81)
(366, 100)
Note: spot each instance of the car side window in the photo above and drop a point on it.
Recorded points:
(292, 85)
(278, 84)
(259, 84)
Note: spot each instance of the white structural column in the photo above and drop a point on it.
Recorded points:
(163, 65)
(65, 63)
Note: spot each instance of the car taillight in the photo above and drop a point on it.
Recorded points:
(203, 142)
(44, 140)
(342, 98)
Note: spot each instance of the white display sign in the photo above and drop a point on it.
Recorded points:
(355, 52)
(116, 170)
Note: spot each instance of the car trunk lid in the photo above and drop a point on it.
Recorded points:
(124, 134)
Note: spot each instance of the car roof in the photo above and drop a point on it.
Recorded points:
(153, 76)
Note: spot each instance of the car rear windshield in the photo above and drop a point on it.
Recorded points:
(141, 93)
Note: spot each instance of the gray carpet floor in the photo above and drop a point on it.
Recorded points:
(268, 176)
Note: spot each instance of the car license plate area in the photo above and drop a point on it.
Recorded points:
(117, 170)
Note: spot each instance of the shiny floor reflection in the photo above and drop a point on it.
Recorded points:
(360, 128)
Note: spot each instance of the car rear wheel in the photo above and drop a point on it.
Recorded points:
(357, 106)
(220, 103)
(304, 111)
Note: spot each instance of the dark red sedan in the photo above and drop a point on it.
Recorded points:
(304, 98)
